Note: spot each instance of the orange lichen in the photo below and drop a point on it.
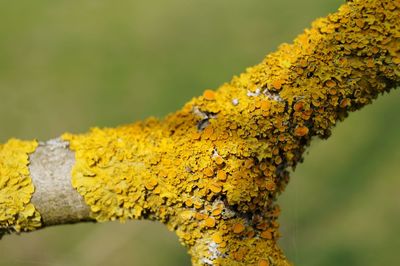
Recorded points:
(215, 187)
(217, 238)
(208, 132)
(208, 171)
(150, 185)
(219, 160)
(221, 175)
(301, 131)
(209, 95)
(331, 83)
(298, 106)
(238, 228)
(17, 213)
(266, 234)
(277, 84)
(210, 222)
(216, 212)
(270, 185)
(213, 170)
(200, 216)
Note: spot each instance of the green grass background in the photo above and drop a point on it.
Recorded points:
(70, 65)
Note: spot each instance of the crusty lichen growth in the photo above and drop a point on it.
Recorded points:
(213, 170)
(16, 188)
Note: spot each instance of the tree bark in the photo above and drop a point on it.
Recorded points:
(212, 171)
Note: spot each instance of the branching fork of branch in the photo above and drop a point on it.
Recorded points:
(212, 171)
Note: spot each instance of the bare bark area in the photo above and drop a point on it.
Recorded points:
(54, 197)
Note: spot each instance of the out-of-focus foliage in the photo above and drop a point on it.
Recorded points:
(70, 65)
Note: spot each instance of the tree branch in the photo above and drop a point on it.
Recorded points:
(213, 170)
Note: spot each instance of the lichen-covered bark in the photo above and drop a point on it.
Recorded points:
(213, 170)
(17, 213)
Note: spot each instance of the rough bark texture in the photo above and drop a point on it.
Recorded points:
(212, 171)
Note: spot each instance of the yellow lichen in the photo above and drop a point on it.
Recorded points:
(213, 170)
(17, 213)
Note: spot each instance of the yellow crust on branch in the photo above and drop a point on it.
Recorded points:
(17, 213)
(213, 170)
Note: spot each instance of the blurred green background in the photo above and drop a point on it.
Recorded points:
(70, 65)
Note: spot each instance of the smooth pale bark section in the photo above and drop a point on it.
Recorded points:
(54, 197)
